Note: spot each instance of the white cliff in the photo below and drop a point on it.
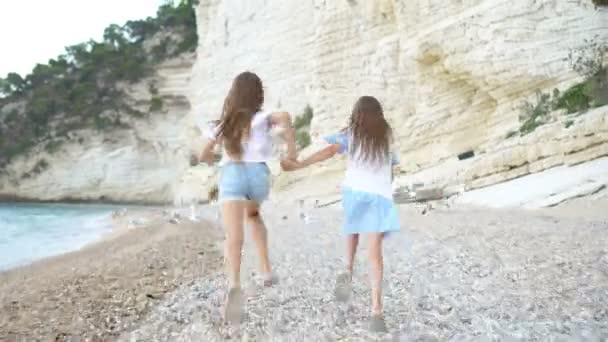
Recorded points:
(450, 74)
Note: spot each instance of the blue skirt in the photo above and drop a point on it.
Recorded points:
(365, 212)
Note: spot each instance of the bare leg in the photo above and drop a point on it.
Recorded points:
(343, 288)
(232, 215)
(376, 270)
(260, 237)
(352, 241)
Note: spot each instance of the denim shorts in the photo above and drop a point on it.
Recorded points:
(243, 181)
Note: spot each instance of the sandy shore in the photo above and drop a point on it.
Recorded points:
(104, 289)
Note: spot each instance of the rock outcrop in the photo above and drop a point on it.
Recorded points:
(570, 141)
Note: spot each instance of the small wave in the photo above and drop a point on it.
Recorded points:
(31, 232)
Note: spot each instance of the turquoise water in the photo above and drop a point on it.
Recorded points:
(29, 232)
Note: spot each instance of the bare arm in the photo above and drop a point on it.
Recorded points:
(321, 155)
(208, 155)
(283, 119)
(317, 157)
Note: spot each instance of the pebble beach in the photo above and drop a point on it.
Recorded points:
(455, 273)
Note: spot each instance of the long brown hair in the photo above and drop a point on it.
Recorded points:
(371, 133)
(245, 98)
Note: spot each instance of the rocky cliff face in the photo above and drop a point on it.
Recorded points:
(450, 74)
(140, 164)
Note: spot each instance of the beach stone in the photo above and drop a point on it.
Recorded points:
(429, 194)
(455, 282)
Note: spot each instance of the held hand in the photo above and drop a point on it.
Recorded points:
(291, 165)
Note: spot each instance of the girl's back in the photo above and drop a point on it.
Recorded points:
(363, 174)
(256, 147)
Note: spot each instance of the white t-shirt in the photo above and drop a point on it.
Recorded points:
(259, 146)
(363, 176)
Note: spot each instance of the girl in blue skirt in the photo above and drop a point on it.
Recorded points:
(366, 193)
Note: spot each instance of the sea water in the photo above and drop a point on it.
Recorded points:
(29, 232)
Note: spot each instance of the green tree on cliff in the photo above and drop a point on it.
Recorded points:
(74, 90)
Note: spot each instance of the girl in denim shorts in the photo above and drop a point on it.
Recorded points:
(243, 132)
